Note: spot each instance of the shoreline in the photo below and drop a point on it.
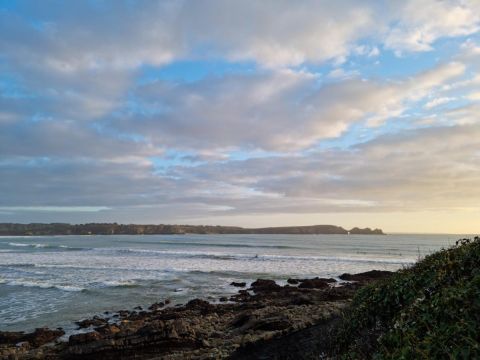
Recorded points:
(229, 327)
(32, 229)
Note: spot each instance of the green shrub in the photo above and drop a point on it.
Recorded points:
(428, 311)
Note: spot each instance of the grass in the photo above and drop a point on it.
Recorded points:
(428, 311)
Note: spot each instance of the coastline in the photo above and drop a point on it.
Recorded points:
(33, 229)
(230, 328)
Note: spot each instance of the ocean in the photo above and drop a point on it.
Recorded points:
(55, 280)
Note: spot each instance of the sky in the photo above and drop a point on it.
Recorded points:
(249, 113)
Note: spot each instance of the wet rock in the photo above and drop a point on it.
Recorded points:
(238, 284)
(153, 327)
(11, 337)
(95, 321)
(37, 338)
(199, 329)
(367, 276)
(108, 330)
(123, 313)
(84, 338)
(43, 336)
(328, 280)
(156, 306)
(242, 297)
(198, 304)
(264, 284)
(293, 281)
(313, 284)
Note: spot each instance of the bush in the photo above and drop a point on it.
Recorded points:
(428, 311)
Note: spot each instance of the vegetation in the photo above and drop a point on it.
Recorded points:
(428, 311)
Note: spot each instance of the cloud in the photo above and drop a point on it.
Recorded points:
(277, 111)
(74, 38)
(409, 171)
(474, 96)
(438, 101)
(422, 22)
(80, 131)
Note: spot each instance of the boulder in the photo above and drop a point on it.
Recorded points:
(367, 276)
(264, 284)
(313, 284)
(199, 304)
(238, 284)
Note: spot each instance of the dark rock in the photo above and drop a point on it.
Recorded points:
(108, 330)
(95, 321)
(271, 324)
(156, 306)
(124, 313)
(328, 280)
(84, 338)
(182, 328)
(293, 281)
(152, 328)
(238, 284)
(11, 337)
(241, 297)
(367, 276)
(313, 284)
(43, 336)
(223, 299)
(37, 338)
(302, 300)
(264, 284)
(198, 304)
(241, 319)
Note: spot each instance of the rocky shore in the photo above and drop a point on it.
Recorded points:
(265, 320)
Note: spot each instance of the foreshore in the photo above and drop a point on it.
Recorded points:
(264, 320)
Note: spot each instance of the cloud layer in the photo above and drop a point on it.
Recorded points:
(309, 108)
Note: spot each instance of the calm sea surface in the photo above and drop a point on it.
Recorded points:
(54, 280)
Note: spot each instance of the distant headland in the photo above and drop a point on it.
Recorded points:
(9, 229)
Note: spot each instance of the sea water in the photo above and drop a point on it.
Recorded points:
(55, 280)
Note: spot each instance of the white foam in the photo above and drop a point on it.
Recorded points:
(119, 283)
(255, 257)
(42, 285)
(19, 244)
